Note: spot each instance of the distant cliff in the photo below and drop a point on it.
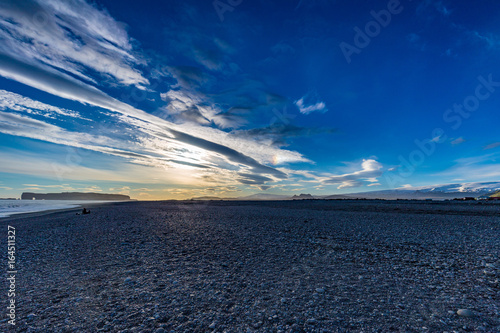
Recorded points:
(302, 196)
(73, 196)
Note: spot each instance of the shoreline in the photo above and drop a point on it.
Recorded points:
(17, 216)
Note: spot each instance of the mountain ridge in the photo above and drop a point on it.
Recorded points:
(436, 192)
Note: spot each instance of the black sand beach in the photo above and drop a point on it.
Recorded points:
(301, 266)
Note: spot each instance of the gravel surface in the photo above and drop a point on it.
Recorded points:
(301, 266)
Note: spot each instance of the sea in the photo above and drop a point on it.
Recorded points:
(12, 207)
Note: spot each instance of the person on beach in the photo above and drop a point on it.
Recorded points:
(85, 211)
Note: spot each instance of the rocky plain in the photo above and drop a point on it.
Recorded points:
(284, 266)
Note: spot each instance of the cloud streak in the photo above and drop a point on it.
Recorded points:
(311, 102)
(71, 36)
(370, 171)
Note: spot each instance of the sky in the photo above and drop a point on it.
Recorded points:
(180, 99)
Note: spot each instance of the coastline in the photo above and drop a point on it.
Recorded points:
(17, 216)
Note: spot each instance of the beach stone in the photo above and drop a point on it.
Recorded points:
(160, 330)
(320, 290)
(212, 326)
(465, 313)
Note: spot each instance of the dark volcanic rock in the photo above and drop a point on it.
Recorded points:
(257, 267)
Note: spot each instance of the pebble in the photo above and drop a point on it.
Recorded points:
(489, 273)
(212, 326)
(311, 321)
(465, 313)
(320, 290)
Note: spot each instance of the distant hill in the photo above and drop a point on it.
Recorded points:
(265, 196)
(302, 196)
(74, 196)
(436, 192)
(495, 195)
(338, 197)
(209, 198)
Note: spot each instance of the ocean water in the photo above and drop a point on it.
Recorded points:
(11, 207)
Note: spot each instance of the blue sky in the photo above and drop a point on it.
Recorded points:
(169, 99)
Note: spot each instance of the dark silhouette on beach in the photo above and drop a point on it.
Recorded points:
(84, 212)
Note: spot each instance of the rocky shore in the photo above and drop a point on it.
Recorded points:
(296, 266)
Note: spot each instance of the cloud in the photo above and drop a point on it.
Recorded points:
(71, 36)
(310, 103)
(491, 40)
(187, 36)
(251, 179)
(476, 168)
(492, 146)
(58, 169)
(62, 85)
(434, 6)
(282, 48)
(370, 171)
(189, 77)
(416, 42)
(66, 87)
(16, 102)
(69, 49)
(184, 106)
(231, 154)
(279, 133)
(458, 141)
(440, 7)
(194, 165)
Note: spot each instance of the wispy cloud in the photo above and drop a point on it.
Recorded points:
(370, 171)
(458, 141)
(492, 146)
(491, 40)
(76, 51)
(16, 102)
(476, 168)
(70, 36)
(310, 103)
(203, 137)
(279, 133)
